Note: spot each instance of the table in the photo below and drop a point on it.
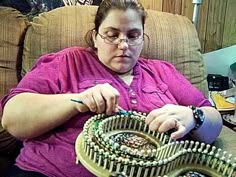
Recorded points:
(227, 140)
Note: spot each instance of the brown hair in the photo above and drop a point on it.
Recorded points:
(107, 5)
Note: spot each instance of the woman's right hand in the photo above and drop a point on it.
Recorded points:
(100, 98)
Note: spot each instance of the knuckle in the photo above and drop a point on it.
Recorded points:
(100, 103)
(112, 98)
(152, 113)
(104, 86)
(92, 107)
(98, 86)
(170, 123)
(116, 92)
(167, 106)
(153, 126)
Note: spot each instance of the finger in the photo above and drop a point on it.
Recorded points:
(111, 96)
(99, 100)
(156, 123)
(90, 102)
(153, 115)
(110, 103)
(181, 132)
(168, 125)
(118, 108)
(117, 97)
(117, 94)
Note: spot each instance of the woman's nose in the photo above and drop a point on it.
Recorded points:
(123, 44)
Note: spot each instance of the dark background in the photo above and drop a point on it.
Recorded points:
(32, 8)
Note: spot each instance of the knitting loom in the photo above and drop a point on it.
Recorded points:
(122, 145)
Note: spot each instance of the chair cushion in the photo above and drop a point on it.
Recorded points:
(12, 30)
(172, 38)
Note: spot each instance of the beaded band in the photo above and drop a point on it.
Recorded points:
(198, 116)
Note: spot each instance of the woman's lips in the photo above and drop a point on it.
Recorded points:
(123, 56)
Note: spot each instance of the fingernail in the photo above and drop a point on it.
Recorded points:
(119, 108)
(173, 136)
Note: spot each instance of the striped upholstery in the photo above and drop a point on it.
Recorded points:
(12, 29)
(172, 38)
(55, 30)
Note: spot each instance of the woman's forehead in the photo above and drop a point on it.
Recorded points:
(118, 19)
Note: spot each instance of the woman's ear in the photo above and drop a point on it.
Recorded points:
(94, 36)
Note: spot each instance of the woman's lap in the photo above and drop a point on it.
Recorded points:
(17, 172)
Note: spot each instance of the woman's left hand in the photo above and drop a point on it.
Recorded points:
(176, 117)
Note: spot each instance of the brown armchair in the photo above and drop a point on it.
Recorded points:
(172, 38)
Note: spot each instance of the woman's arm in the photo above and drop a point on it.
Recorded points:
(28, 115)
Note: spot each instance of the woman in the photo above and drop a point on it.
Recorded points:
(105, 77)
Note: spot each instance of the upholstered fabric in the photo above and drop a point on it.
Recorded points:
(55, 30)
(172, 38)
(12, 29)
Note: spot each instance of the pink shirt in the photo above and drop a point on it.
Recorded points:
(73, 70)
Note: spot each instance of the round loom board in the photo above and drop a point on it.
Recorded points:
(86, 161)
(99, 171)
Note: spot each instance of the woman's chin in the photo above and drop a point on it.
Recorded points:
(122, 70)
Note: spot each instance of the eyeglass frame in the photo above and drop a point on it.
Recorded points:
(106, 40)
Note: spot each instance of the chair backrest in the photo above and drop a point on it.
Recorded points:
(172, 38)
(13, 26)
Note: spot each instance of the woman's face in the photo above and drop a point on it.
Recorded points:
(121, 57)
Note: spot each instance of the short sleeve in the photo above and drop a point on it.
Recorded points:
(43, 78)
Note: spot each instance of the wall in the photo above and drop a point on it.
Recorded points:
(224, 57)
(217, 20)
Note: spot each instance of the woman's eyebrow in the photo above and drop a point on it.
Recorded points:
(116, 29)
(135, 30)
(111, 28)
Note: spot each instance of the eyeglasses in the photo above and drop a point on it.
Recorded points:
(114, 40)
